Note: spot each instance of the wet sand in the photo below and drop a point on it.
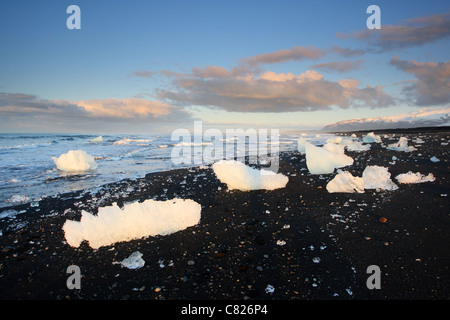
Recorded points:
(300, 241)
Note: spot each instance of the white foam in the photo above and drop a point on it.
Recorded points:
(141, 153)
(236, 175)
(121, 142)
(98, 139)
(189, 144)
(345, 182)
(75, 161)
(322, 161)
(417, 177)
(377, 177)
(126, 141)
(136, 220)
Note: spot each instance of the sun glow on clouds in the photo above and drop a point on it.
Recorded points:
(125, 108)
(270, 91)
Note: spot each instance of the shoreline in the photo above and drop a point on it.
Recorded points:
(237, 250)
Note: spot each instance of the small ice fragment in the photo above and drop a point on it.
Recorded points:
(134, 261)
(270, 288)
(434, 159)
(377, 177)
(401, 145)
(345, 182)
(417, 177)
(17, 198)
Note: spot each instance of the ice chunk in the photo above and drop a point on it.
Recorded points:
(135, 221)
(417, 177)
(371, 138)
(334, 148)
(401, 145)
(270, 289)
(18, 198)
(236, 175)
(322, 161)
(75, 161)
(434, 159)
(301, 145)
(346, 182)
(354, 145)
(134, 261)
(377, 177)
(10, 213)
(336, 140)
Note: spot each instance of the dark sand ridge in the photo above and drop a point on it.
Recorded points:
(235, 253)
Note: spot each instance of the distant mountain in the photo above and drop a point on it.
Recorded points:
(425, 117)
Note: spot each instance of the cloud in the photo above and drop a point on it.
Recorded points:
(432, 86)
(142, 74)
(210, 72)
(125, 108)
(411, 33)
(19, 103)
(254, 64)
(339, 66)
(273, 92)
(294, 54)
(248, 88)
(346, 52)
(23, 111)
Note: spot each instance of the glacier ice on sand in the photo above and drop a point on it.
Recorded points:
(136, 220)
(321, 161)
(237, 175)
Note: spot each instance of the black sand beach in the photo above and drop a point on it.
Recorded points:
(305, 243)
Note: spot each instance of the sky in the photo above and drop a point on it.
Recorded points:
(154, 66)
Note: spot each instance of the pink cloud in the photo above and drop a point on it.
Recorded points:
(125, 108)
(411, 33)
(274, 92)
(433, 80)
(296, 53)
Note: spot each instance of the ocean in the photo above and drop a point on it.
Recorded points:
(28, 172)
